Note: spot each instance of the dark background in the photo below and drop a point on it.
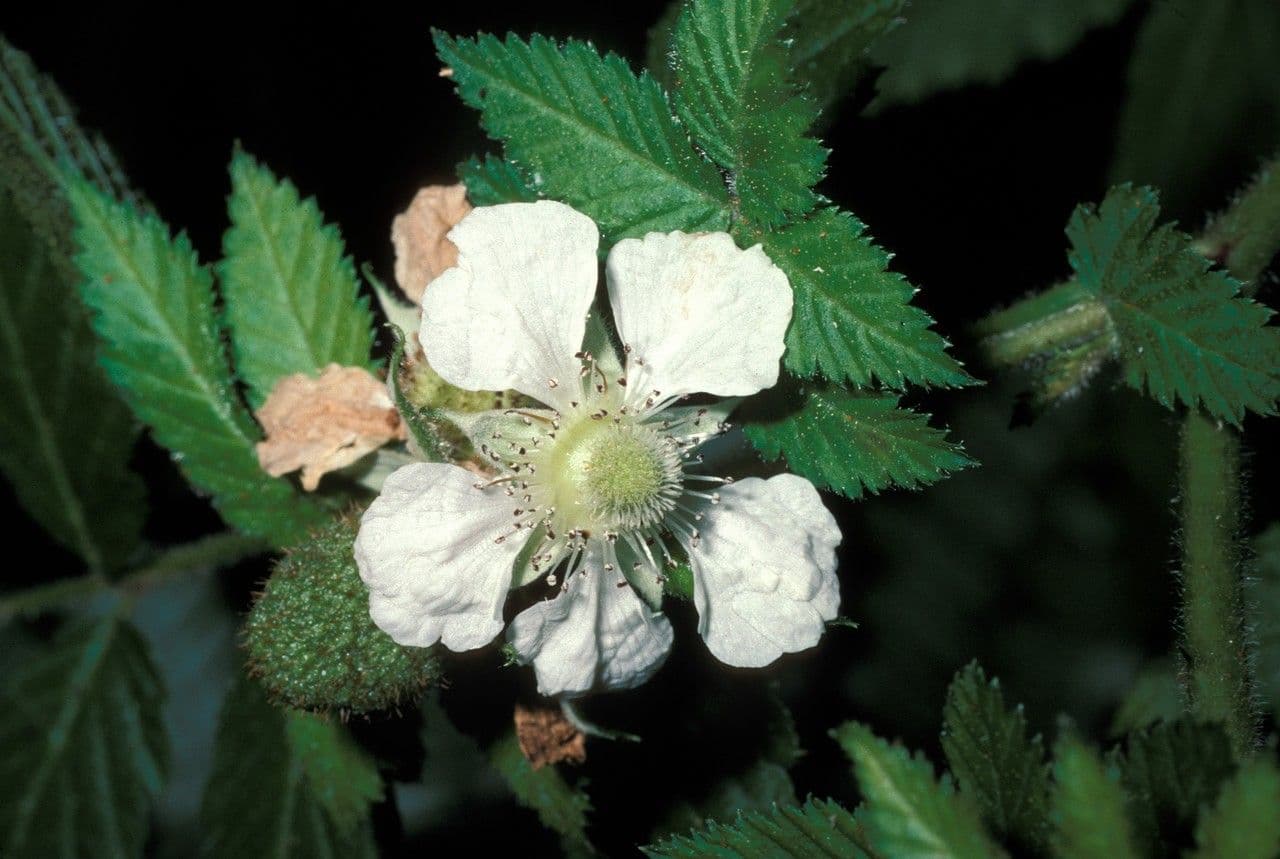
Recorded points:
(1052, 563)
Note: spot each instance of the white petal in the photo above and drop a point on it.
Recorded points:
(764, 572)
(512, 312)
(702, 315)
(595, 635)
(427, 551)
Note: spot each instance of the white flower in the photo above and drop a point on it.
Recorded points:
(595, 492)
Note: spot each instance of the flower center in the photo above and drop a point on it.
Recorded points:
(626, 476)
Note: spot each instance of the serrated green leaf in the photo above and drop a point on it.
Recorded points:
(994, 762)
(590, 132)
(1264, 602)
(1168, 773)
(1203, 97)
(1185, 332)
(1088, 806)
(65, 437)
(284, 815)
(730, 72)
(341, 775)
(293, 304)
(908, 813)
(852, 320)
(1154, 696)
(947, 44)
(493, 181)
(1244, 823)
(41, 147)
(850, 442)
(560, 806)
(831, 41)
(152, 305)
(819, 829)
(85, 746)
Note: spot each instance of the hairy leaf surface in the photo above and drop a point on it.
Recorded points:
(946, 44)
(851, 442)
(908, 813)
(589, 132)
(852, 319)
(1186, 334)
(1089, 815)
(286, 815)
(293, 304)
(152, 305)
(730, 72)
(65, 437)
(1202, 96)
(819, 829)
(85, 746)
(994, 761)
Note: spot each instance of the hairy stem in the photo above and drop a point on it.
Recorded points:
(218, 550)
(1215, 644)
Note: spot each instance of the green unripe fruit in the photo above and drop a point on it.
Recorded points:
(312, 643)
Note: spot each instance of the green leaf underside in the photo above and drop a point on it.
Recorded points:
(65, 437)
(590, 132)
(855, 442)
(41, 146)
(730, 69)
(293, 304)
(831, 41)
(1169, 772)
(852, 320)
(284, 816)
(993, 761)
(1202, 93)
(85, 746)
(819, 829)
(560, 807)
(908, 813)
(947, 44)
(1185, 332)
(152, 305)
(1088, 806)
(494, 181)
(1244, 823)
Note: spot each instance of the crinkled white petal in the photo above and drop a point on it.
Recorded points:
(764, 572)
(702, 315)
(512, 312)
(597, 634)
(427, 551)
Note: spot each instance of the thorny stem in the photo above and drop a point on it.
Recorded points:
(1216, 643)
(218, 550)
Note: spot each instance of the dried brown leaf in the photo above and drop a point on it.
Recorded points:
(321, 425)
(420, 233)
(547, 737)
